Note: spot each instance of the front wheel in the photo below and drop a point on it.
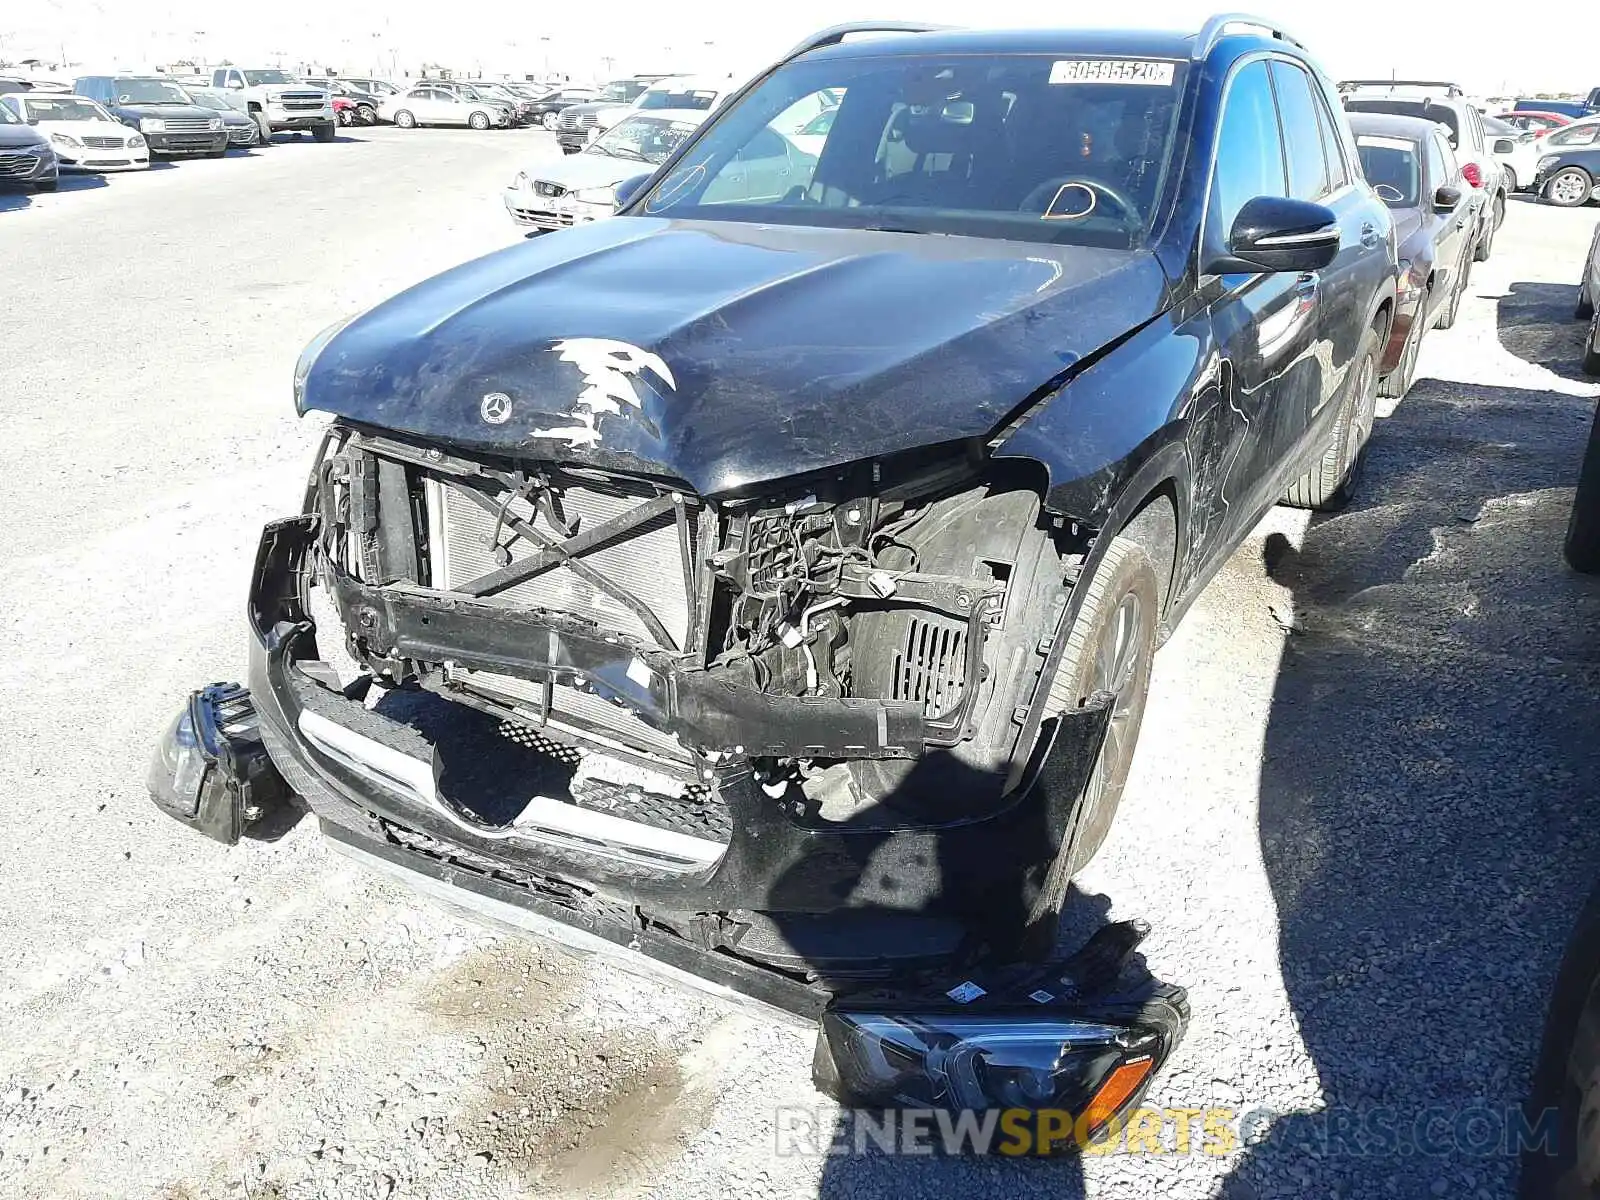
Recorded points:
(325, 133)
(405, 120)
(1331, 484)
(346, 117)
(479, 120)
(1109, 649)
(549, 121)
(1511, 180)
(1397, 383)
(1569, 188)
(1486, 242)
(48, 185)
(1582, 548)
(1591, 347)
(1585, 308)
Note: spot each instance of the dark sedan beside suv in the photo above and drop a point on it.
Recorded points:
(172, 123)
(26, 158)
(1569, 176)
(1409, 163)
(766, 587)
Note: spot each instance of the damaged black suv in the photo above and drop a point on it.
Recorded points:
(768, 578)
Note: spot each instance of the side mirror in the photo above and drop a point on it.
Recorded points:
(1505, 146)
(629, 188)
(1446, 198)
(1275, 234)
(236, 84)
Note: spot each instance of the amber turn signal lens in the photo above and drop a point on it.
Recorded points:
(1114, 1092)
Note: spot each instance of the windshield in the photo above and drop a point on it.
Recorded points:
(257, 78)
(467, 93)
(7, 117)
(217, 99)
(148, 91)
(624, 91)
(642, 139)
(698, 101)
(1020, 146)
(1391, 167)
(64, 108)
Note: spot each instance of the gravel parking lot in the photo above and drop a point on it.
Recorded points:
(1358, 823)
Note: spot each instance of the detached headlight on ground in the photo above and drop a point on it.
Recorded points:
(152, 125)
(210, 769)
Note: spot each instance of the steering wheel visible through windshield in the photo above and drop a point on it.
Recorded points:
(1024, 146)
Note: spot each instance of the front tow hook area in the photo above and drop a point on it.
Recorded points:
(211, 771)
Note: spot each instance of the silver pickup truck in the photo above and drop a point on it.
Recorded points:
(280, 102)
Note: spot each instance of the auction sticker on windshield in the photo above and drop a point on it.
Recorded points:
(1112, 70)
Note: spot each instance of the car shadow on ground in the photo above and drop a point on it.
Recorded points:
(1426, 790)
(1537, 323)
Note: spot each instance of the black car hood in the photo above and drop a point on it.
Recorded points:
(20, 135)
(727, 354)
(161, 110)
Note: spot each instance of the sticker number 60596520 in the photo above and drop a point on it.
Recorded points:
(1111, 70)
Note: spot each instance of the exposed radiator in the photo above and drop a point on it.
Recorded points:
(647, 562)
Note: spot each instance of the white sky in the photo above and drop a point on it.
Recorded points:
(1489, 54)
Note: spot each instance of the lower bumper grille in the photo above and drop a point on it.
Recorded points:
(540, 219)
(18, 166)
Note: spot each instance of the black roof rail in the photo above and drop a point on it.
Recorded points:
(1451, 89)
(835, 34)
(1218, 27)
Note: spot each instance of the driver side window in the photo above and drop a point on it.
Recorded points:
(1249, 154)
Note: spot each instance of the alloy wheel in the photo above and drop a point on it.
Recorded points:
(1116, 663)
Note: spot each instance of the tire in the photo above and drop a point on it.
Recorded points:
(1569, 187)
(1485, 246)
(346, 117)
(1585, 308)
(48, 186)
(366, 115)
(1119, 615)
(1564, 1077)
(1591, 347)
(479, 121)
(1582, 547)
(1447, 314)
(1397, 383)
(325, 133)
(1331, 484)
(1511, 180)
(263, 129)
(549, 121)
(404, 119)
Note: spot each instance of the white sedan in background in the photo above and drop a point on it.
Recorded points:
(84, 136)
(455, 104)
(1521, 155)
(581, 187)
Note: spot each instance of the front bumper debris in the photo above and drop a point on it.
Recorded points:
(210, 769)
(379, 779)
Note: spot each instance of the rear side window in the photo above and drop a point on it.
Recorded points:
(1338, 171)
(1440, 169)
(1249, 160)
(1578, 135)
(1302, 134)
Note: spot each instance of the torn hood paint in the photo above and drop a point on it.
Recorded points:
(727, 354)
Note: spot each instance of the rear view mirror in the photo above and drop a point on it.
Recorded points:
(1446, 198)
(1275, 234)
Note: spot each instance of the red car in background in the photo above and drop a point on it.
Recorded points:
(1535, 122)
